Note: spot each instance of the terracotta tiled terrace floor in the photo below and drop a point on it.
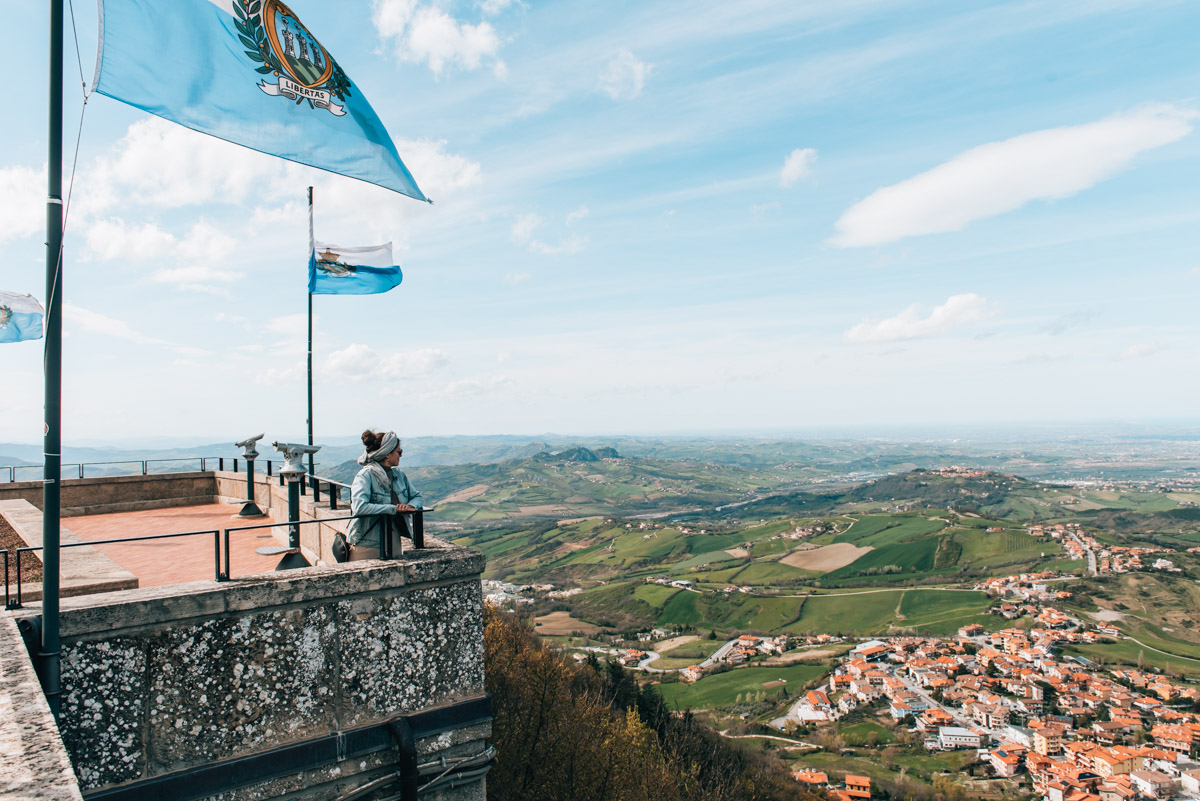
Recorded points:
(174, 561)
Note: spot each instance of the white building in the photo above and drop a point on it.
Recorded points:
(951, 738)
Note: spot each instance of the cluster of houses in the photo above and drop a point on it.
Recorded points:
(1113, 558)
(1033, 587)
(503, 592)
(1077, 732)
(852, 787)
(744, 648)
(803, 532)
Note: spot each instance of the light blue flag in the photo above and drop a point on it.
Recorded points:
(249, 72)
(335, 270)
(20, 317)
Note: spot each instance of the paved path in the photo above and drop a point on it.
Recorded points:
(158, 563)
(1161, 651)
(651, 656)
(797, 743)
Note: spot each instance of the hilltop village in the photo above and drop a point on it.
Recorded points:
(1022, 716)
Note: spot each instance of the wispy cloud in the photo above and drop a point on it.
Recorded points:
(624, 77)
(77, 318)
(1066, 322)
(577, 215)
(1138, 351)
(522, 234)
(1002, 176)
(763, 208)
(357, 363)
(958, 310)
(797, 165)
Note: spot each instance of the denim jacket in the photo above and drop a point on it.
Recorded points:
(368, 495)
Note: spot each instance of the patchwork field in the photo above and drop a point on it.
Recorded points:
(826, 557)
(891, 611)
(560, 623)
(723, 689)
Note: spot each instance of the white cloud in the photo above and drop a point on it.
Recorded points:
(193, 258)
(425, 33)
(356, 363)
(162, 164)
(440, 173)
(958, 310)
(577, 215)
(114, 239)
(522, 234)
(1002, 176)
(22, 201)
(797, 165)
(624, 77)
(1139, 351)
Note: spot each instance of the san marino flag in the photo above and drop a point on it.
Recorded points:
(20, 317)
(335, 270)
(249, 72)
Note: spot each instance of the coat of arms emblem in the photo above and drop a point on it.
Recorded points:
(330, 262)
(285, 49)
(5, 316)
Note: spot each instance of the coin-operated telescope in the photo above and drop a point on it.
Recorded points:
(250, 509)
(293, 459)
(294, 471)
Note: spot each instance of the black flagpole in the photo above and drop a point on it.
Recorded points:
(312, 252)
(52, 474)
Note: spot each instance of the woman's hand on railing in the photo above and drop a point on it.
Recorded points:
(404, 507)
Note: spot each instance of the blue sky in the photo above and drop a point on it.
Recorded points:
(649, 217)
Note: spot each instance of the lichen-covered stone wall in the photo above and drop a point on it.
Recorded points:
(162, 679)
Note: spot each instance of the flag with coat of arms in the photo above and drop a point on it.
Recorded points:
(20, 317)
(337, 270)
(249, 72)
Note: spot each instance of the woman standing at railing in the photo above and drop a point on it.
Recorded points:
(378, 489)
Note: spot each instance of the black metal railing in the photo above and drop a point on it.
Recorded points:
(221, 544)
(139, 467)
(142, 467)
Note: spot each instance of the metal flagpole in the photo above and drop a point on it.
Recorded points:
(52, 474)
(311, 252)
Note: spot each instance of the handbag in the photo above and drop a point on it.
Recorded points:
(340, 548)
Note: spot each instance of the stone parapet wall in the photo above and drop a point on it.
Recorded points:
(162, 680)
(34, 765)
(90, 496)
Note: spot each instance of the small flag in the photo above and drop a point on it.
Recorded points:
(20, 317)
(335, 270)
(249, 72)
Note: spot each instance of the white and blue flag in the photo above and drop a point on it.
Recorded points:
(20, 317)
(249, 72)
(336, 270)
